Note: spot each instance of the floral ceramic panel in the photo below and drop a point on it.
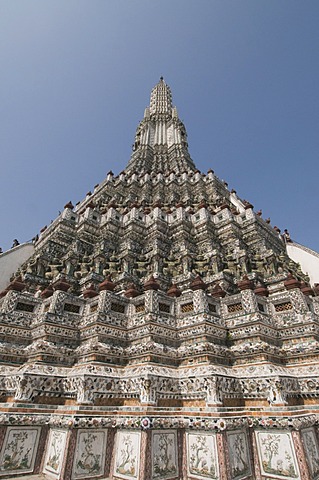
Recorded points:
(276, 455)
(19, 450)
(311, 448)
(164, 465)
(202, 457)
(127, 454)
(238, 455)
(55, 452)
(89, 456)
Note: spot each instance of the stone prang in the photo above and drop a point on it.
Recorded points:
(160, 331)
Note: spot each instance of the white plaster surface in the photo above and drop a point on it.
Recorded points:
(202, 457)
(238, 454)
(127, 458)
(33, 477)
(165, 463)
(55, 452)
(19, 450)
(11, 260)
(277, 455)
(308, 259)
(310, 444)
(89, 454)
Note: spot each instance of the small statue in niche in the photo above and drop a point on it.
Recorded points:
(70, 266)
(270, 265)
(54, 268)
(232, 266)
(201, 265)
(187, 264)
(31, 267)
(114, 264)
(147, 391)
(37, 266)
(99, 264)
(281, 260)
(24, 388)
(244, 264)
(276, 394)
(259, 264)
(141, 266)
(85, 265)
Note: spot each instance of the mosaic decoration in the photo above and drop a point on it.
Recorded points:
(127, 457)
(161, 288)
(311, 449)
(55, 452)
(276, 455)
(165, 463)
(202, 457)
(19, 450)
(89, 454)
(238, 455)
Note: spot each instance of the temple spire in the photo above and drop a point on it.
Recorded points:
(161, 139)
(161, 99)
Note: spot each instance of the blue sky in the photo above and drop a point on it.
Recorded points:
(76, 76)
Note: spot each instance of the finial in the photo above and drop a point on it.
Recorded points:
(161, 78)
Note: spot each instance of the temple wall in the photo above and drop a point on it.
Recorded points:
(308, 259)
(254, 449)
(11, 260)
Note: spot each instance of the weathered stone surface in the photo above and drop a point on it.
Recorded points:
(160, 305)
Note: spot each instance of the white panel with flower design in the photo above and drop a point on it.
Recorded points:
(127, 456)
(165, 462)
(19, 450)
(277, 455)
(202, 457)
(55, 452)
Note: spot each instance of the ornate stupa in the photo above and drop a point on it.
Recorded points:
(160, 331)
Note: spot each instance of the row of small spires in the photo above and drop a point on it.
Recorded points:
(202, 204)
(132, 291)
(165, 174)
(155, 174)
(285, 236)
(157, 204)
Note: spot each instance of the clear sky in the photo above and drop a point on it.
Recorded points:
(76, 76)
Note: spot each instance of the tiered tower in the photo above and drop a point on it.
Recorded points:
(160, 331)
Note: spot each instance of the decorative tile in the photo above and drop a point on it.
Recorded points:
(19, 450)
(276, 455)
(202, 457)
(311, 449)
(165, 463)
(127, 456)
(89, 454)
(238, 455)
(55, 452)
